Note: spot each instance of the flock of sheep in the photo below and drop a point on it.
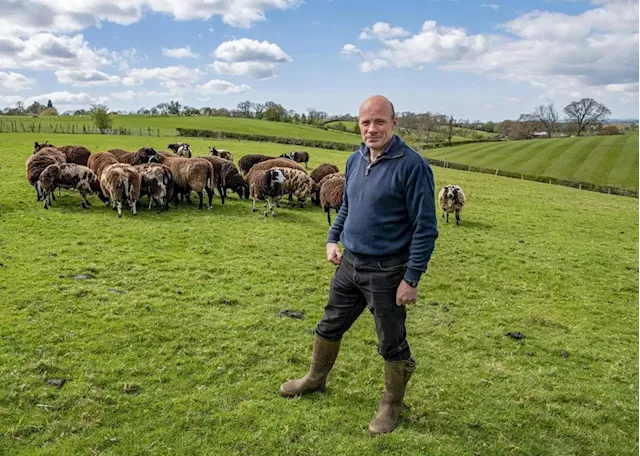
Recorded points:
(122, 178)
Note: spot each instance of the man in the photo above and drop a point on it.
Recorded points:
(387, 226)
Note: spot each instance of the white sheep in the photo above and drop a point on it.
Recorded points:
(452, 199)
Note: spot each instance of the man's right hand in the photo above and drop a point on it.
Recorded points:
(334, 255)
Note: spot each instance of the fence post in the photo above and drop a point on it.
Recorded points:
(579, 186)
(496, 172)
(140, 131)
(149, 131)
(158, 132)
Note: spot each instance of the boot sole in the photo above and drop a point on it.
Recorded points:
(374, 431)
(285, 393)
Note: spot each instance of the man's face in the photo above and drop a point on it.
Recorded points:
(376, 124)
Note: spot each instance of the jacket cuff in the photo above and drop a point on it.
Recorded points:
(332, 240)
(413, 274)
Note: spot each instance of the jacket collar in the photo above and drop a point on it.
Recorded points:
(395, 149)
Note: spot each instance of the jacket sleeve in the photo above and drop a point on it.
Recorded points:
(419, 195)
(338, 224)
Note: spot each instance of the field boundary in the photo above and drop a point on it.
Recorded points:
(333, 145)
(609, 189)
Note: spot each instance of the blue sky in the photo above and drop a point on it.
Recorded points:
(485, 60)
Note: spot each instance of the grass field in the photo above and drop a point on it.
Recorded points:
(605, 160)
(168, 125)
(172, 343)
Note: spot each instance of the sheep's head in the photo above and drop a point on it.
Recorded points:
(277, 176)
(39, 146)
(451, 191)
(213, 152)
(315, 194)
(148, 155)
(184, 151)
(289, 155)
(241, 188)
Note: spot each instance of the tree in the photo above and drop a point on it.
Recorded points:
(20, 107)
(49, 104)
(101, 117)
(489, 126)
(174, 108)
(49, 112)
(259, 109)
(450, 123)
(356, 129)
(585, 113)
(546, 116)
(274, 112)
(245, 108)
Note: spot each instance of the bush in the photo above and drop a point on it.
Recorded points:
(266, 138)
(608, 130)
(49, 112)
(101, 117)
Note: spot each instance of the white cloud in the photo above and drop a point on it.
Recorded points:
(180, 53)
(349, 49)
(493, 6)
(82, 78)
(50, 52)
(29, 17)
(256, 70)
(244, 50)
(220, 87)
(382, 31)
(593, 53)
(245, 57)
(171, 73)
(66, 98)
(512, 100)
(373, 65)
(10, 100)
(129, 95)
(14, 81)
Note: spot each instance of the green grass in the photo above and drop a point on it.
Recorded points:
(605, 160)
(175, 347)
(168, 125)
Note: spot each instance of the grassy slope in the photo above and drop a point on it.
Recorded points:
(608, 160)
(167, 126)
(175, 346)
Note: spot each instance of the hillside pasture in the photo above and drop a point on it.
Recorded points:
(168, 125)
(168, 331)
(605, 160)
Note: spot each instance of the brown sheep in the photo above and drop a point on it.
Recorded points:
(218, 180)
(267, 185)
(274, 163)
(222, 153)
(143, 155)
(69, 175)
(331, 196)
(451, 199)
(39, 161)
(246, 163)
(323, 170)
(73, 154)
(298, 156)
(315, 196)
(98, 162)
(297, 183)
(156, 181)
(191, 174)
(231, 179)
(121, 182)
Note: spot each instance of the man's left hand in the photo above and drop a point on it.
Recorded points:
(406, 294)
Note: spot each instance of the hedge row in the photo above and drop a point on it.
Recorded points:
(437, 145)
(266, 138)
(548, 180)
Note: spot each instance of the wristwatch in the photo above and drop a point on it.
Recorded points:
(411, 283)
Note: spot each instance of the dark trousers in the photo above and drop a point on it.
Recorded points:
(359, 283)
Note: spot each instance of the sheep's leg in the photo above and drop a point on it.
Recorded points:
(329, 216)
(210, 196)
(45, 200)
(457, 217)
(134, 206)
(59, 194)
(200, 197)
(447, 217)
(119, 206)
(272, 207)
(254, 205)
(303, 202)
(223, 193)
(265, 206)
(84, 200)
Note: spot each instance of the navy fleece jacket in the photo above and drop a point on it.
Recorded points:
(388, 207)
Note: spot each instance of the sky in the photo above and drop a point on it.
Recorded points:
(475, 60)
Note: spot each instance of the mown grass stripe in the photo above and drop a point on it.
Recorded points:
(625, 169)
(601, 157)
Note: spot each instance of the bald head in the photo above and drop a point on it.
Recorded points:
(378, 103)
